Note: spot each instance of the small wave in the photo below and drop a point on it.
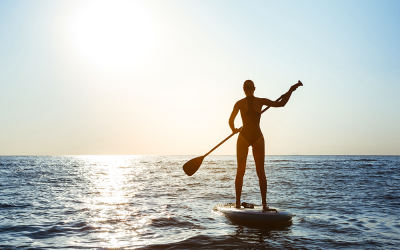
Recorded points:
(217, 242)
(11, 205)
(367, 165)
(391, 197)
(281, 161)
(171, 221)
(226, 178)
(18, 229)
(212, 162)
(219, 171)
(194, 184)
(61, 229)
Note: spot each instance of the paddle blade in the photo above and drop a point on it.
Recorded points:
(193, 165)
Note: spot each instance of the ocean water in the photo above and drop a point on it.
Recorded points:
(147, 202)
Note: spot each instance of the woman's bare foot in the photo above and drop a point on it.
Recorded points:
(238, 205)
(266, 208)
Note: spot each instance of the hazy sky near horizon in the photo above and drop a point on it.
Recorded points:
(161, 77)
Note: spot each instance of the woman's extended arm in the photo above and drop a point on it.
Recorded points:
(284, 100)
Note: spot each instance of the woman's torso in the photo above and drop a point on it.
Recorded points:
(250, 111)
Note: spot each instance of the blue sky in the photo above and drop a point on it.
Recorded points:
(161, 77)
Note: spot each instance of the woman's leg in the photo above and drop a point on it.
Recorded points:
(259, 157)
(242, 150)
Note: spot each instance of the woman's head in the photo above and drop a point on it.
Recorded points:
(248, 87)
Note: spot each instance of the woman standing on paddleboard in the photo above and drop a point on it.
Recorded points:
(251, 135)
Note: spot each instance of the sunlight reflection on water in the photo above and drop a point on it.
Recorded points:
(113, 181)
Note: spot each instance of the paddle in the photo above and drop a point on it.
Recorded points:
(194, 164)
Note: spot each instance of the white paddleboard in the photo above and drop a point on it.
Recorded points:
(254, 215)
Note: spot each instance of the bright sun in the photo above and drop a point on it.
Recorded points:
(112, 34)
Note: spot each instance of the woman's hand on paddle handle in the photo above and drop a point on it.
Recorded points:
(236, 130)
(294, 87)
(285, 97)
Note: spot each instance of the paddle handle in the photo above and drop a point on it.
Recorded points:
(227, 138)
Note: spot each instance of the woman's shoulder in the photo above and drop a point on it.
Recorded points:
(241, 101)
(259, 99)
(239, 104)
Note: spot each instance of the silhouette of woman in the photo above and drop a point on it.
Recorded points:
(251, 135)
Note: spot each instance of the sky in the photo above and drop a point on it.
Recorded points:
(160, 77)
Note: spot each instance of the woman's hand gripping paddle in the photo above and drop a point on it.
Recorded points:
(194, 164)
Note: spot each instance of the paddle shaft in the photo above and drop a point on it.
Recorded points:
(227, 138)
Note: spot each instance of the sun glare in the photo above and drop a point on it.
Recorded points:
(111, 34)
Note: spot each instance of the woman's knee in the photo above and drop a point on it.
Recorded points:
(240, 175)
(261, 174)
(239, 180)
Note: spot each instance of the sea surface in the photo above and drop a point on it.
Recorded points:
(147, 202)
